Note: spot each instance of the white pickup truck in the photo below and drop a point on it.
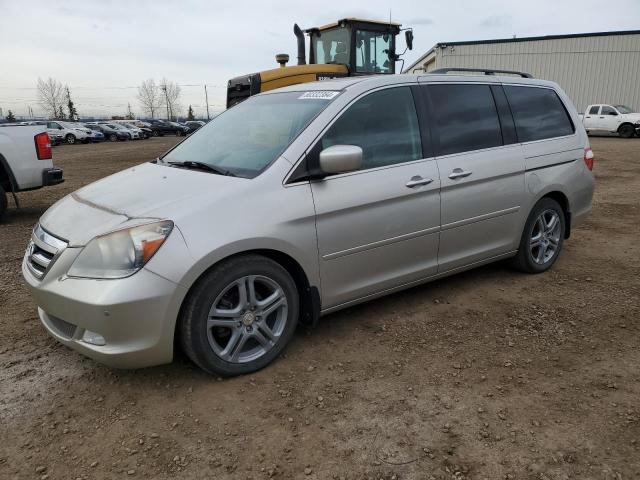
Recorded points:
(25, 161)
(603, 118)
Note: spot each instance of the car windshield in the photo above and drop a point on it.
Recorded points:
(246, 138)
(624, 109)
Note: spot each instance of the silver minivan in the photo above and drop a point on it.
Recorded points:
(305, 200)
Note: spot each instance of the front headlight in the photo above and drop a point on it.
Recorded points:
(120, 254)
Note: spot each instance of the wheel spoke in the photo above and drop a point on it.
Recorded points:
(550, 227)
(271, 303)
(536, 241)
(243, 294)
(237, 350)
(221, 322)
(224, 313)
(235, 343)
(251, 291)
(542, 250)
(263, 331)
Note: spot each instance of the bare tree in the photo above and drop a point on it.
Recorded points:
(151, 98)
(171, 92)
(51, 96)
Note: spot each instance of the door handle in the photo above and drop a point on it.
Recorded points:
(459, 173)
(418, 181)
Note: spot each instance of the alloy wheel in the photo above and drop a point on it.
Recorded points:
(247, 319)
(545, 237)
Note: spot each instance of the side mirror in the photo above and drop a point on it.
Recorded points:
(340, 159)
(408, 38)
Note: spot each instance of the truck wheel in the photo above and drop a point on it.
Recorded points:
(542, 238)
(3, 202)
(70, 139)
(626, 130)
(239, 316)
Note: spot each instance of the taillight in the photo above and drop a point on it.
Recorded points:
(43, 146)
(588, 158)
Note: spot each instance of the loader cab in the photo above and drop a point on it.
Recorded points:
(365, 47)
(345, 48)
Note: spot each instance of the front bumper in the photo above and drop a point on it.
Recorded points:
(135, 316)
(52, 176)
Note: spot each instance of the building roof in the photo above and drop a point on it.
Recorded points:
(522, 39)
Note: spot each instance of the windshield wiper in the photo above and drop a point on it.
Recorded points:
(203, 166)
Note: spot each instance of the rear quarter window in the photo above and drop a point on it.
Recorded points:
(538, 113)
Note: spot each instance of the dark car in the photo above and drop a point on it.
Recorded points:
(163, 127)
(194, 125)
(109, 133)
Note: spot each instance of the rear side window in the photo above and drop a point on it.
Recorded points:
(538, 113)
(464, 117)
(594, 110)
(384, 124)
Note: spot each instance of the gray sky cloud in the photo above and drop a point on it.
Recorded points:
(104, 49)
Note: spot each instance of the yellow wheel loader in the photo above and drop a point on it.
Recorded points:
(344, 48)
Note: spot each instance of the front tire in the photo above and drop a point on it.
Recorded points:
(626, 131)
(542, 237)
(240, 316)
(70, 139)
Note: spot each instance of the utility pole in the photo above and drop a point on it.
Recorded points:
(166, 98)
(206, 96)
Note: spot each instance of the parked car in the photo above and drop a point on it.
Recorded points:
(116, 126)
(336, 192)
(25, 161)
(162, 127)
(194, 125)
(139, 133)
(109, 133)
(72, 132)
(55, 138)
(618, 119)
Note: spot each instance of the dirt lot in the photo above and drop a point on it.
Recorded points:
(490, 374)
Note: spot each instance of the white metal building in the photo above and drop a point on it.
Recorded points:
(601, 67)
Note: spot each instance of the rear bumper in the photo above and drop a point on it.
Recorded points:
(52, 176)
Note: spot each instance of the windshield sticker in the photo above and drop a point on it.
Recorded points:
(318, 95)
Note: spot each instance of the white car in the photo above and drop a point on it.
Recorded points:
(25, 161)
(620, 119)
(70, 131)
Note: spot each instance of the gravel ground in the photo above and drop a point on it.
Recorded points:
(489, 374)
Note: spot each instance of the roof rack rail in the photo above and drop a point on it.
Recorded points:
(486, 71)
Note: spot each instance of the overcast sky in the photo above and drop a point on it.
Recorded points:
(103, 49)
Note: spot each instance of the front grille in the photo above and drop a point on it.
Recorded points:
(62, 328)
(42, 251)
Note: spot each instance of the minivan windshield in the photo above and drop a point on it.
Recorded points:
(246, 138)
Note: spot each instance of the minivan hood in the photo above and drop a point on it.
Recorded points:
(135, 196)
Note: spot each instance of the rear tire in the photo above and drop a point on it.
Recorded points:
(113, 137)
(542, 238)
(626, 131)
(3, 203)
(239, 316)
(70, 139)
(155, 133)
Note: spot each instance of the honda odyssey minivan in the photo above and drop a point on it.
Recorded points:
(304, 200)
